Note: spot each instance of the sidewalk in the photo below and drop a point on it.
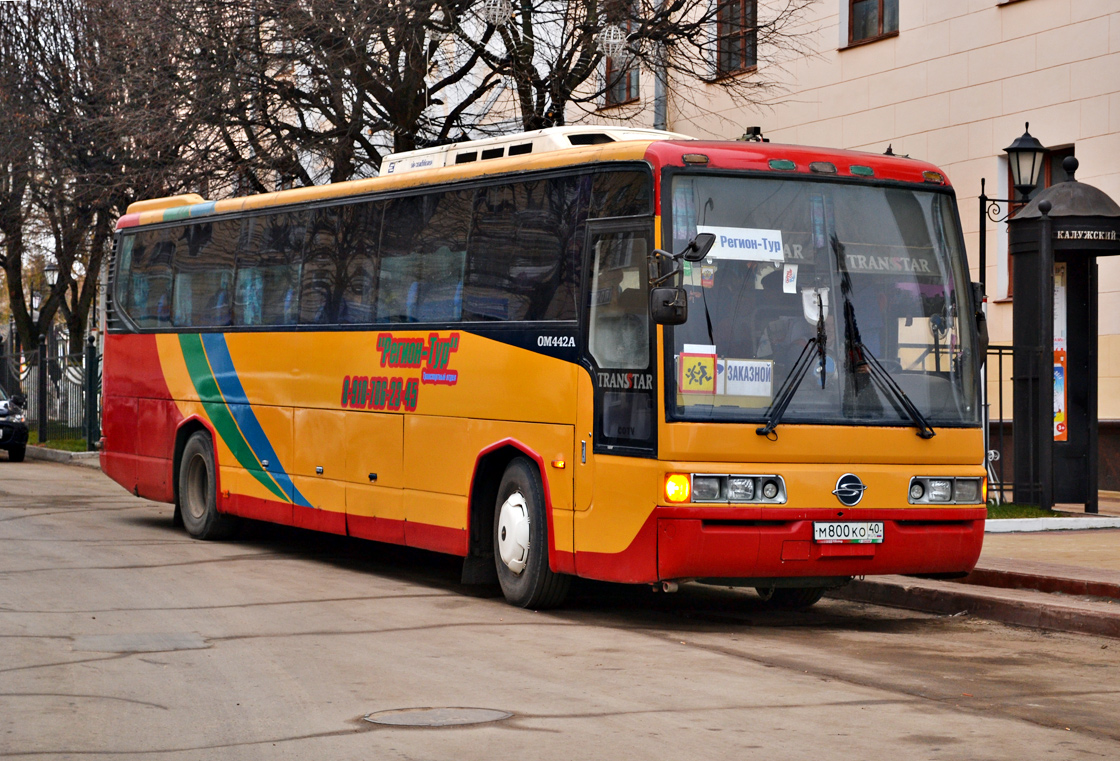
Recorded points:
(1066, 580)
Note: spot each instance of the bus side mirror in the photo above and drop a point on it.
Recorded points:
(19, 400)
(981, 321)
(699, 247)
(668, 306)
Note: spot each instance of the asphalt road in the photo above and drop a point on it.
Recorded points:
(122, 637)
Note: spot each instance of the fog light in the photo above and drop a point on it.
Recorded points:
(770, 490)
(940, 490)
(917, 491)
(740, 489)
(677, 488)
(705, 488)
(967, 490)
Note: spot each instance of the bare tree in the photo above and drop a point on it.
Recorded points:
(319, 90)
(103, 119)
(18, 124)
(103, 103)
(553, 52)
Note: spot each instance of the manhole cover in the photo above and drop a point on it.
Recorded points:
(436, 717)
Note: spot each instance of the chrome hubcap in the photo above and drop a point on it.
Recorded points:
(513, 533)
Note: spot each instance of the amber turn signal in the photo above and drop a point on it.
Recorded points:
(678, 487)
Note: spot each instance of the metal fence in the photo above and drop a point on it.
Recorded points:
(63, 393)
(999, 419)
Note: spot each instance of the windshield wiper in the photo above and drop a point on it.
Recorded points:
(797, 374)
(890, 386)
(860, 356)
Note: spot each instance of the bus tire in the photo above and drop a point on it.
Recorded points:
(16, 454)
(198, 492)
(521, 541)
(790, 598)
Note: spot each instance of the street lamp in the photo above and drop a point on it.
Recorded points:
(50, 274)
(1024, 159)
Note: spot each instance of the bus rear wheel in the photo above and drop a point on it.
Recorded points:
(521, 541)
(198, 495)
(790, 598)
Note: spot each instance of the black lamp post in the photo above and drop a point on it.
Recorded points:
(50, 275)
(1024, 159)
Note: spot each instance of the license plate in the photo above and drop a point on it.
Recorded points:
(848, 532)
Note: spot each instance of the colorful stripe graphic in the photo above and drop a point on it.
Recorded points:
(219, 389)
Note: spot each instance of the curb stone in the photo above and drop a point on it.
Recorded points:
(84, 459)
(1037, 610)
(1023, 525)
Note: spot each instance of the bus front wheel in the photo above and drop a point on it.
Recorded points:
(521, 541)
(198, 496)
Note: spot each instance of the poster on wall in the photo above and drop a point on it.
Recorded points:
(1060, 396)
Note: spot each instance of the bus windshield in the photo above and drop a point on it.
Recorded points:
(854, 295)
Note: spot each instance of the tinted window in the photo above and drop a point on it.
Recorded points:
(621, 194)
(268, 269)
(339, 272)
(423, 256)
(203, 269)
(148, 268)
(524, 252)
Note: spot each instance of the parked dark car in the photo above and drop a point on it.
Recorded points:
(13, 425)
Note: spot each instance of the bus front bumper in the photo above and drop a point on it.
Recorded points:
(767, 543)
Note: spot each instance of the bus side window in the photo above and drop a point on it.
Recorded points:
(150, 279)
(423, 256)
(342, 246)
(621, 194)
(204, 274)
(269, 263)
(521, 261)
(123, 274)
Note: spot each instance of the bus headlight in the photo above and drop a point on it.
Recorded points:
(705, 488)
(740, 489)
(677, 487)
(940, 490)
(770, 489)
(967, 490)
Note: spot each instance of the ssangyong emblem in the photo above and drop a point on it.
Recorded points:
(849, 489)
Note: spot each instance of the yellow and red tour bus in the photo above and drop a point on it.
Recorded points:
(459, 355)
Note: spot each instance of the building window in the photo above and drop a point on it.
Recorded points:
(736, 36)
(622, 77)
(1051, 174)
(871, 20)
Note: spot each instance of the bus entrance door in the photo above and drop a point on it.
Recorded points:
(617, 434)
